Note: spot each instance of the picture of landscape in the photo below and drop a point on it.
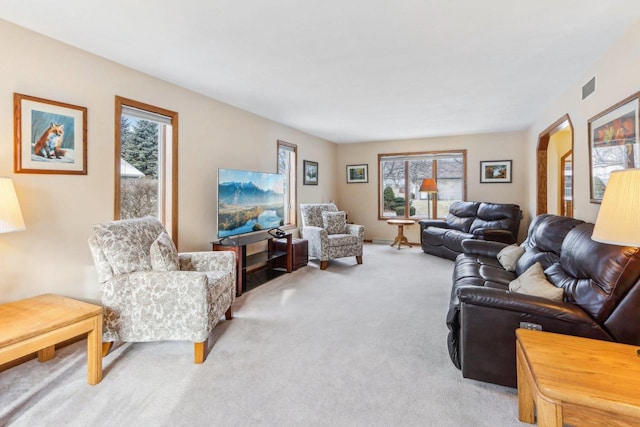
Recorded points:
(249, 201)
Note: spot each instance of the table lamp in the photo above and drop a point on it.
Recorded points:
(429, 186)
(618, 221)
(10, 213)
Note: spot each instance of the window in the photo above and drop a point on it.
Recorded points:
(401, 175)
(287, 155)
(146, 163)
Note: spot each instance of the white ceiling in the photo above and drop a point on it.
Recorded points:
(351, 70)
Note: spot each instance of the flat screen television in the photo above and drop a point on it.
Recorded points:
(249, 201)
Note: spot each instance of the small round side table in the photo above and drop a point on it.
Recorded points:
(400, 238)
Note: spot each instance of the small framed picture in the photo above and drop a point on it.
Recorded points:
(495, 171)
(310, 170)
(357, 173)
(50, 136)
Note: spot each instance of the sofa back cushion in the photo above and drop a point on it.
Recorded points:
(544, 240)
(498, 216)
(461, 215)
(126, 243)
(595, 276)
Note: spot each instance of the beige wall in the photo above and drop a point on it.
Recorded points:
(52, 254)
(617, 77)
(361, 199)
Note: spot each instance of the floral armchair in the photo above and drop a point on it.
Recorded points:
(328, 233)
(150, 292)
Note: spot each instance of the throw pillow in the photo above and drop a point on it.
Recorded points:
(509, 256)
(334, 222)
(534, 282)
(164, 255)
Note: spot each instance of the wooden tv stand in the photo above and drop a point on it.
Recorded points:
(238, 244)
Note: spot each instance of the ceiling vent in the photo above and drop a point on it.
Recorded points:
(589, 88)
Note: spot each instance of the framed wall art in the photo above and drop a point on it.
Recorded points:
(613, 143)
(357, 173)
(49, 136)
(310, 170)
(495, 171)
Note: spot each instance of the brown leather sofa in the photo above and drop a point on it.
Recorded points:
(469, 220)
(601, 285)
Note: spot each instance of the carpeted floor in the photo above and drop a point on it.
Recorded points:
(355, 345)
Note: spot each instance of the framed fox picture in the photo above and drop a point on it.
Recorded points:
(49, 136)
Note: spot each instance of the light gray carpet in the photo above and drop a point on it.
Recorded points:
(355, 345)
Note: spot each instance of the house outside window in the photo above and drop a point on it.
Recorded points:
(400, 177)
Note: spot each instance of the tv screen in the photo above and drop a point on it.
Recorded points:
(249, 201)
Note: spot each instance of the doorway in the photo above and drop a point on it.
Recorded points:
(555, 169)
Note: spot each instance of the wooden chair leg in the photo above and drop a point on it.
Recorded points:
(228, 314)
(106, 348)
(323, 265)
(359, 259)
(200, 351)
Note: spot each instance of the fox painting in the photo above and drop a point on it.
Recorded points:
(50, 142)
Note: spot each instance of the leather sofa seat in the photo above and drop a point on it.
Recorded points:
(469, 220)
(601, 285)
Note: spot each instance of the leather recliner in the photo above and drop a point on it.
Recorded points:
(470, 220)
(601, 284)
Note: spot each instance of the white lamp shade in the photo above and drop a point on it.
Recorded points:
(10, 213)
(618, 221)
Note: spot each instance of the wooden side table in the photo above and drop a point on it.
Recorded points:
(577, 381)
(400, 238)
(39, 323)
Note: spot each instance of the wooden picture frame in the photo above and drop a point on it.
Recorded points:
(357, 173)
(310, 172)
(50, 137)
(495, 171)
(613, 143)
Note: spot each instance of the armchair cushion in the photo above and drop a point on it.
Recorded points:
(334, 222)
(164, 255)
(533, 282)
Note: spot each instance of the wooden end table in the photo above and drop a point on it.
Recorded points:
(400, 238)
(577, 381)
(37, 324)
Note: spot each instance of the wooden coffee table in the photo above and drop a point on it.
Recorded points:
(578, 381)
(37, 324)
(400, 238)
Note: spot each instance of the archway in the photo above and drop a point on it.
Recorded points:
(542, 167)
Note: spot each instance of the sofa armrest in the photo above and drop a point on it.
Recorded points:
(424, 223)
(486, 248)
(170, 289)
(494, 234)
(484, 345)
(208, 261)
(356, 230)
(318, 241)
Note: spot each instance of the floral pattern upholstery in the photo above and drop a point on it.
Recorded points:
(323, 245)
(164, 255)
(145, 305)
(334, 222)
